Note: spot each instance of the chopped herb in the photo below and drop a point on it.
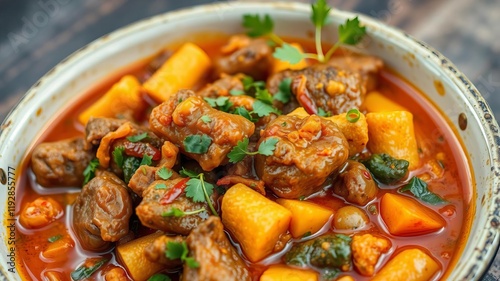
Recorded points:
(239, 152)
(264, 95)
(263, 109)
(419, 189)
(137, 138)
(330, 274)
(283, 124)
(242, 111)
(200, 191)
(118, 155)
(373, 209)
(323, 113)
(235, 92)
(176, 212)
(257, 26)
(288, 53)
(146, 160)
(353, 115)
(249, 83)
(164, 173)
(221, 103)
(161, 186)
(206, 119)
(159, 277)
(197, 144)
(89, 172)
(268, 146)
(385, 168)
(284, 90)
(84, 272)
(302, 198)
(188, 173)
(351, 32)
(179, 250)
(130, 165)
(54, 238)
(307, 234)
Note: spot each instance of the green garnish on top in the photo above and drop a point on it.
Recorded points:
(179, 250)
(239, 152)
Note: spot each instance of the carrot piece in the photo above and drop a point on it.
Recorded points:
(411, 218)
(356, 133)
(392, 132)
(255, 221)
(377, 102)
(131, 256)
(125, 95)
(285, 273)
(103, 149)
(279, 65)
(181, 71)
(409, 265)
(307, 217)
(58, 250)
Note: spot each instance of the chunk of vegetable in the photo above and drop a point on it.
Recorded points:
(385, 168)
(132, 257)
(40, 213)
(58, 250)
(285, 273)
(392, 132)
(328, 251)
(350, 218)
(307, 217)
(366, 250)
(405, 216)
(124, 96)
(300, 112)
(86, 270)
(181, 71)
(377, 102)
(255, 221)
(356, 133)
(408, 265)
(280, 65)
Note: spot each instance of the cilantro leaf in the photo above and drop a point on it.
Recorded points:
(146, 160)
(118, 155)
(351, 32)
(268, 146)
(179, 250)
(176, 212)
(257, 26)
(239, 151)
(249, 83)
(89, 171)
(206, 119)
(242, 111)
(161, 186)
(235, 92)
(284, 90)
(187, 173)
(264, 95)
(221, 103)
(419, 188)
(197, 144)
(137, 138)
(54, 238)
(84, 272)
(164, 173)
(159, 277)
(263, 109)
(320, 11)
(195, 189)
(288, 53)
(323, 113)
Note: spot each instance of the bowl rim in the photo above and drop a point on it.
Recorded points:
(480, 107)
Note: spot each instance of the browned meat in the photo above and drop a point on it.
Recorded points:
(101, 212)
(308, 150)
(367, 66)
(144, 177)
(231, 180)
(116, 274)
(323, 87)
(178, 120)
(60, 163)
(355, 183)
(153, 205)
(155, 252)
(244, 55)
(217, 258)
(222, 86)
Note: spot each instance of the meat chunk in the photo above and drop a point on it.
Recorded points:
(156, 201)
(217, 258)
(97, 128)
(60, 163)
(244, 55)
(366, 250)
(179, 121)
(355, 183)
(155, 252)
(308, 150)
(101, 212)
(222, 86)
(323, 87)
(145, 176)
(367, 66)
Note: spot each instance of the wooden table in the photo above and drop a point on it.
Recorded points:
(34, 37)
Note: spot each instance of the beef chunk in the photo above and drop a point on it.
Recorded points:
(101, 212)
(367, 66)
(355, 183)
(308, 150)
(222, 86)
(60, 163)
(217, 258)
(144, 177)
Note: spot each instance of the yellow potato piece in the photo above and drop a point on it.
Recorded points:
(409, 265)
(284, 273)
(377, 102)
(355, 133)
(307, 217)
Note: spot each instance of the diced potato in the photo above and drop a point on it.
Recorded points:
(300, 112)
(279, 65)
(125, 95)
(58, 250)
(377, 102)
(131, 256)
(345, 278)
(307, 217)
(285, 273)
(392, 132)
(411, 217)
(255, 221)
(355, 133)
(409, 265)
(181, 71)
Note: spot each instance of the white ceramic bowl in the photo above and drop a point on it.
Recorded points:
(411, 58)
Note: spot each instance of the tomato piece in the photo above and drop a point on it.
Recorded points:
(138, 149)
(174, 192)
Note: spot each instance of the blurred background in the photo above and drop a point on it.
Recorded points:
(36, 34)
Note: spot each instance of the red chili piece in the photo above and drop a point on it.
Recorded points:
(138, 149)
(174, 192)
(303, 96)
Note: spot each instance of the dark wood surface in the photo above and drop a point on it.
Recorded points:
(36, 34)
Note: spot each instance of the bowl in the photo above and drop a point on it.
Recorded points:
(445, 86)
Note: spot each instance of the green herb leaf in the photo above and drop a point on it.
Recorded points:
(206, 119)
(197, 144)
(239, 151)
(118, 155)
(307, 234)
(264, 95)
(320, 11)
(179, 250)
(235, 92)
(221, 103)
(89, 171)
(330, 274)
(176, 212)
(54, 238)
(268, 146)
(188, 173)
(159, 277)
(257, 26)
(323, 113)
(194, 189)
(146, 160)
(130, 165)
(137, 138)
(242, 111)
(284, 90)
(351, 32)
(353, 115)
(249, 83)
(288, 53)
(164, 173)
(84, 272)
(160, 186)
(263, 109)
(419, 188)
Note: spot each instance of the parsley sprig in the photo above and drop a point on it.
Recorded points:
(239, 152)
(89, 171)
(179, 250)
(257, 27)
(197, 189)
